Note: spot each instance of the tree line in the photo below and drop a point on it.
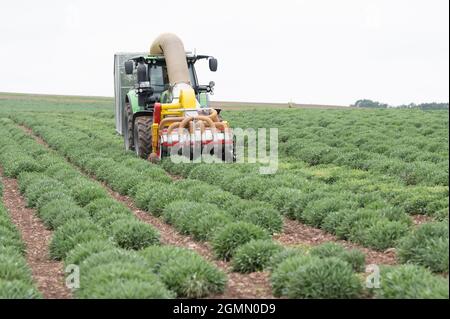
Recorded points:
(366, 103)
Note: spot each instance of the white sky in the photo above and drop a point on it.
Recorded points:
(310, 51)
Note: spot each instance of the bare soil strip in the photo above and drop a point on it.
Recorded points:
(296, 233)
(242, 286)
(421, 219)
(254, 285)
(47, 273)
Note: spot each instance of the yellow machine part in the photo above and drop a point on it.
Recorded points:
(155, 128)
(187, 100)
(172, 113)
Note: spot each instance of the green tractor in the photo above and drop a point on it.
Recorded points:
(159, 102)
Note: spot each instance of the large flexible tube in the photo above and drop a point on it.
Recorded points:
(172, 48)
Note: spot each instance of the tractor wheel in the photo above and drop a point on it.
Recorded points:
(143, 136)
(128, 132)
(165, 152)
(228, 154)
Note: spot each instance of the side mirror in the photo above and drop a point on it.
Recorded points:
(129, 66)
(141, 71)
(212, 64)
(212, 84)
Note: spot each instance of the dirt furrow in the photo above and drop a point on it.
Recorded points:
(296, 233)
(47, 273)
(242, 286)
(253, 285)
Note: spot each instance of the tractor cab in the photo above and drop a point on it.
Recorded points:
(159, 81)
(142, 80)
(153, 86)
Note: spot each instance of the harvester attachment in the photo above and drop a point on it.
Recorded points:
(183, 128)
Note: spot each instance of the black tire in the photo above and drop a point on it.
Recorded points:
(128, 132)
(229, 153)
(143, 136)
(232, 158)
(164, 151)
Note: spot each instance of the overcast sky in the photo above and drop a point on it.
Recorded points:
(307, 51)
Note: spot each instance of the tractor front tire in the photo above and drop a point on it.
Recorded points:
(143, 136)
(128, 132)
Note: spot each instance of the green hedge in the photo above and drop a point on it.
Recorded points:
(133, 234)
(410, 282)
(233, 235)
(254, 255)
(354, 257)
(313, 277)
(428, 246)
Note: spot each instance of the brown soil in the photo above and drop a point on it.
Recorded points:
(54, 98)
(47, 273)
(296, 233)
(254, 285)
(421, 219)
(38, 139)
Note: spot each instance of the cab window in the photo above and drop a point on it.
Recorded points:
(159, 79)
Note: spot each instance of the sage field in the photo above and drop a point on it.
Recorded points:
(354, 187)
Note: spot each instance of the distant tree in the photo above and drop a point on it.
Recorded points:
(408, 106)
(423, 106)
(433, 106)
(370, 104)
